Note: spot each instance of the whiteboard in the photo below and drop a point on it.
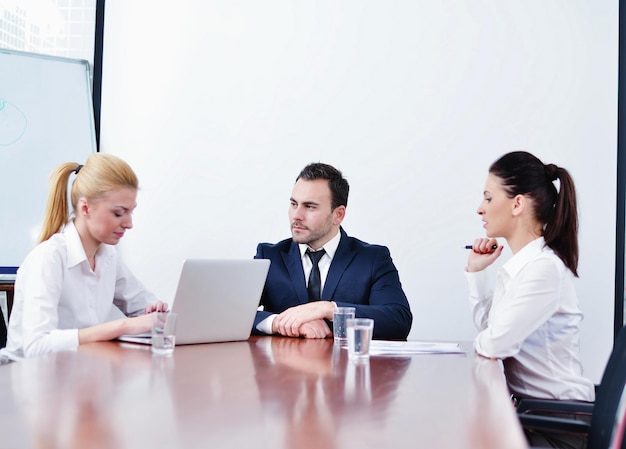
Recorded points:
(46, 118)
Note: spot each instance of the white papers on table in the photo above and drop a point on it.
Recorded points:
(385, 347)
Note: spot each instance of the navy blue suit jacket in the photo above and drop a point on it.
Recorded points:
(360, 275)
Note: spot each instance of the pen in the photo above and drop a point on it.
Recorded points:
(471, 247)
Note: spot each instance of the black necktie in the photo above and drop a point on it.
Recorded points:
(315, 282)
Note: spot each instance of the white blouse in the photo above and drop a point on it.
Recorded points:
(57, 293)
(531, 322)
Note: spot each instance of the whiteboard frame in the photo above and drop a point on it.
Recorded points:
(33, 180)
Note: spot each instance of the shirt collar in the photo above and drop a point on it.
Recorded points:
(515, 264)
(330, 247)
(75, 251)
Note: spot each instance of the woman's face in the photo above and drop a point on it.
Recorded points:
(109, 217)
(496, 209)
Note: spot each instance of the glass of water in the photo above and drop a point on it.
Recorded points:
(163, 333)
(359, 337)
(340, 332)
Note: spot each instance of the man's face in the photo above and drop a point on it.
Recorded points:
(312, 219)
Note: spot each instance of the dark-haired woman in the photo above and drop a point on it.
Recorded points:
(531, 318)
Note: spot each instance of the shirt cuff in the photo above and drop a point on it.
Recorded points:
(57, 340)
(64, 339)
(478, 283)
(265, 326)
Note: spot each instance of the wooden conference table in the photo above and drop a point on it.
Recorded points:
(267, 392)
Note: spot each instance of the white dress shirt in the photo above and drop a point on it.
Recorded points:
(531, 322)
(324, 264)
(330, 247)
(57, 293)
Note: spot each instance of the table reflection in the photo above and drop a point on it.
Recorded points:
(314, 391)
(484, 405)
(67, 399)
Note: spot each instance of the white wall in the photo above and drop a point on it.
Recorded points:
(218, 105)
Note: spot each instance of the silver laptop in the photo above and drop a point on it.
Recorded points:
(216, 300)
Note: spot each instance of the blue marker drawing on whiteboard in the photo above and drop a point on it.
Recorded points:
(13, 123)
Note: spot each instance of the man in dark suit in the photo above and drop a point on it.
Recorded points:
(349, 272)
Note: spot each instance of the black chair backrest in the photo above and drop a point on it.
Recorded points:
(618, 440)
(609, 396)
(3, 331)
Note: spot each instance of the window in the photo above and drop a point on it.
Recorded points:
(55, 27)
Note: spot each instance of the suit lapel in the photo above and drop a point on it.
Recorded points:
(342, 259)
(293, 263)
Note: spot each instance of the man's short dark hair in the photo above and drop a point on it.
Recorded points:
(339, 187)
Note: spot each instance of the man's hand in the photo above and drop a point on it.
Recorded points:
(289, 322)
(315, 329)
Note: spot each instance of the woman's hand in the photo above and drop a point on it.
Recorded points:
(138, 325)
(159, 306)
(113, 329)
(483, 254)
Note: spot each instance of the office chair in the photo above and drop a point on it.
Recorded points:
(606, 428)
(3, 331)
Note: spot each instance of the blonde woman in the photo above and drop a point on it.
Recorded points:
(68, 284)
